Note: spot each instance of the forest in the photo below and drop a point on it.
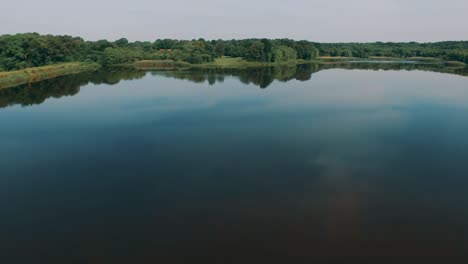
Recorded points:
(448, 50)
(32, 50)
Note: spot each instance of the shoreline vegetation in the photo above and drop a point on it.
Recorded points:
(224, 62)
(31, 57)
(239, 63)
(35, 74)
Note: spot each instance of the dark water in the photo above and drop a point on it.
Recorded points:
(314, 164)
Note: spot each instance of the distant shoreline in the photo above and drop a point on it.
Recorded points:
(36, 74)
(239, 63)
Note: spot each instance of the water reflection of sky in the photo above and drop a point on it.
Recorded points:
(341, 165)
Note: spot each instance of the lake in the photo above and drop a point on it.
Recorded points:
(331, 163)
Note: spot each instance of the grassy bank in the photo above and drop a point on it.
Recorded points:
(380, 58)
(239, 63)
(160, 65)
(226, 62)
(454, 64)
(30, 75)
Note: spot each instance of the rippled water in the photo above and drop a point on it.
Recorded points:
(318, 163)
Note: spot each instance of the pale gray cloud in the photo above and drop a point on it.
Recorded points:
(324, 21)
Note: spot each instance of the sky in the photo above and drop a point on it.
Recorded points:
(321, 21)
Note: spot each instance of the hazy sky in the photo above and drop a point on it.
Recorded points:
(316, 20)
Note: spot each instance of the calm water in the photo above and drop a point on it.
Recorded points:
(309, 163)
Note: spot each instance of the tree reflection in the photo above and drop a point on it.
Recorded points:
(69, 85)
(264, 77)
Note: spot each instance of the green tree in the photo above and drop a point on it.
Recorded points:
(219, 48)
(256, 52)
(123, 42)
(267, 49)
(346, 53)
(283, 53)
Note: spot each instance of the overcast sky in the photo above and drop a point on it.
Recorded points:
(316, 20)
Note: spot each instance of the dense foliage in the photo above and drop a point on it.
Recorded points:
(32, 50)
(449, 50)
(28, 50)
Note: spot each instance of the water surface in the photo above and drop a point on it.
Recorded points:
(333, 163)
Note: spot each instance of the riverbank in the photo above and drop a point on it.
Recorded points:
(382, 58)
(159, 65)
(30, 75)
(230, 62)
(239, 63)
(226, 62)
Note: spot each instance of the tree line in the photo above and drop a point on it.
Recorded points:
(448, 50)
(32, 50)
